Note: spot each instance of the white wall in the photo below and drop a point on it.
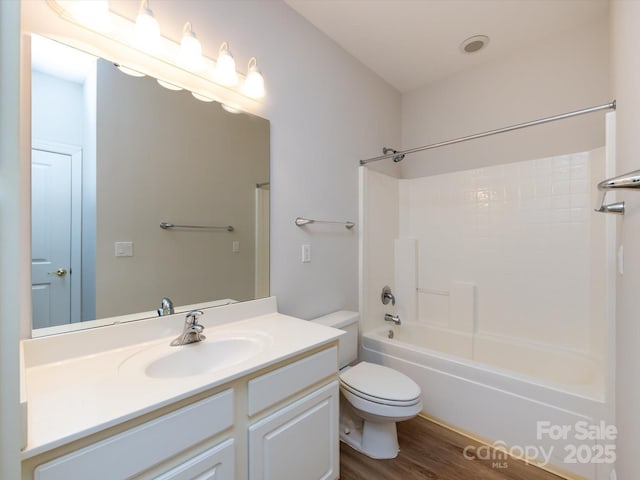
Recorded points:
(58, 107)
(625, 62)
(557, 75)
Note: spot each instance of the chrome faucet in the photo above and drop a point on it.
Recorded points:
(192, 330)
(392, 318)
(166, 307)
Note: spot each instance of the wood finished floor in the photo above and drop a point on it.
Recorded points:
(430, 451)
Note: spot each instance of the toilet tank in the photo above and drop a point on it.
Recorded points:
(347, 343)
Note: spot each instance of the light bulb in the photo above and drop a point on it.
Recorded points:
(146, 33)
(254, 83)
(225, 72)
(91, 13)
(190, 56)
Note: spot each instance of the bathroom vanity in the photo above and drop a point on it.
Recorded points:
(258, 399)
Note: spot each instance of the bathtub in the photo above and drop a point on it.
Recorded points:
(521, 407)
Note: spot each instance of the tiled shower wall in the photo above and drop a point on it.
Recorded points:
(525, 237)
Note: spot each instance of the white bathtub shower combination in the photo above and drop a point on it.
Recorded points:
(561, 370)
(504, 284)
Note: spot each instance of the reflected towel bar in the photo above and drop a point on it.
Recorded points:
(167, 226)
(306, 221)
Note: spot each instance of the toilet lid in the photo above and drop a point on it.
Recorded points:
(379, 382)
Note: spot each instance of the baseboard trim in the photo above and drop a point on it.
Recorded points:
(484, 441)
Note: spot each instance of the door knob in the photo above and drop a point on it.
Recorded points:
(61, 272)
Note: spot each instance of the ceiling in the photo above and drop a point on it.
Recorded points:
(411, 43)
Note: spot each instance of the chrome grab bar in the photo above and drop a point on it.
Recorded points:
(167, 226)
(627, 180)
(306, 221)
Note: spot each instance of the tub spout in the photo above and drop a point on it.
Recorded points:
(392, 318)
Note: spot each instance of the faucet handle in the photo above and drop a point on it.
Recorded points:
(387, 296)
(192, 316)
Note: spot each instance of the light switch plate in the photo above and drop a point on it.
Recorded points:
(124, 249)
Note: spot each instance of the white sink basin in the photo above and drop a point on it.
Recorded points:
(165, 361)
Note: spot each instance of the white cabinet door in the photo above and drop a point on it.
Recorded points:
(217, 463)
(298, 442)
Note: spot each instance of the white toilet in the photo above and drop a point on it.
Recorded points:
(373, 397)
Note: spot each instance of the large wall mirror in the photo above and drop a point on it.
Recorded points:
(113, 157)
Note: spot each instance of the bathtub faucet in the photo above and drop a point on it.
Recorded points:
(392, 318)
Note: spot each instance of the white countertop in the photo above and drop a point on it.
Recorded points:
(79, 395)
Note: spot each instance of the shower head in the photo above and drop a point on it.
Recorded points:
(396, 158)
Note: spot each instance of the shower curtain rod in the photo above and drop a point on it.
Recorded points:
(400, 154)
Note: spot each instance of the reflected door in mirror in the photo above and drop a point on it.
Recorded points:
(54, 190)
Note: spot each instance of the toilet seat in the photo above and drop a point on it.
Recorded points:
(380, 384)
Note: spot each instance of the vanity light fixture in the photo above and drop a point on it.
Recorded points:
(146, 50)
(190, 55)
(146, 33)
(254, 83)
(225, 72)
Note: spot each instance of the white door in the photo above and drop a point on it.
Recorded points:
(55, 235)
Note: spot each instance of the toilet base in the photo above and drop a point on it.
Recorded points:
(375, 440)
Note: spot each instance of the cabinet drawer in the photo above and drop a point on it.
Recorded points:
(217, 463)
(144, 446)
(275, 386)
